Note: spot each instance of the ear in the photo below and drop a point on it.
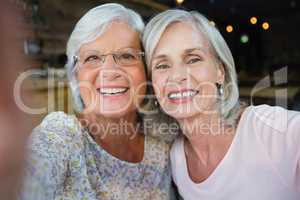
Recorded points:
(220, 73)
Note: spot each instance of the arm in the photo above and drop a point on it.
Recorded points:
(47, 160)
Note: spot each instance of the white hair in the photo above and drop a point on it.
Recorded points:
(155, 28)
(87, 29)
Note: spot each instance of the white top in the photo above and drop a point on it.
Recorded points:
(262, 162)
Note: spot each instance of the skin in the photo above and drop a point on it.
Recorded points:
(106, 111)
(188, 63)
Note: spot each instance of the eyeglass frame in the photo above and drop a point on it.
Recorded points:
(140, 55)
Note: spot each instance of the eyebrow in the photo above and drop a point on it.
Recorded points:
(194, 49)
(160, 57)
(186, 51)
(116, 50)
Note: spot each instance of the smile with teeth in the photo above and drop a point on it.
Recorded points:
(112, 91)
(182, 94)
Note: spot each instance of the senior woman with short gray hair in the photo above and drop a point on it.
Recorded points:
(106, 156)
(227, 150)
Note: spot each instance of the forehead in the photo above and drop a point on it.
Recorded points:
(117, 35)
(179, 37)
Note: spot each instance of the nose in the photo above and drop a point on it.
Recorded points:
(108, 70)
(109, 61)
(178, 74)
(109, 74)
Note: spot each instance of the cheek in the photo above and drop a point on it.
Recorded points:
(205, 79)
(87, 76)
(205, 74)
(138, 80)
(158, 83)
(87, 89)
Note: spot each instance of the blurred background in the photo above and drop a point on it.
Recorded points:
(264, 37)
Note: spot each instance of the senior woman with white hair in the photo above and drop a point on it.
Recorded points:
(106, 156)
(227, 150)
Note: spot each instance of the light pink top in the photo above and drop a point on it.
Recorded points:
(262, 163)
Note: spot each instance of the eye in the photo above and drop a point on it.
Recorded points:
(127, 56)
(193, 59)
(161, 66)
(91, 58)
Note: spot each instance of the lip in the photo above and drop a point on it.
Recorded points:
(111, 86)
(181, 100)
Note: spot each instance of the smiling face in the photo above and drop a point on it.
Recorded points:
(112, 89)
(185, 72)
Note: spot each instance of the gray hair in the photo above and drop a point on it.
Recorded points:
(230, 105)
(87, 29)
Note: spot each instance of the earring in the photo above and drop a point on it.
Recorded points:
(156, 103)
(220, 89)
(75, 60)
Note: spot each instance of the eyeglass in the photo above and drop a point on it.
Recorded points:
(95, 59)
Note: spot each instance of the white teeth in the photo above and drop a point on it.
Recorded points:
(111, 91)
(176, 95)
(188, 94)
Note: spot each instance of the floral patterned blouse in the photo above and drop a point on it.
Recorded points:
(64, 162)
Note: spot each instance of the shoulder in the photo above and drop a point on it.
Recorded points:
(156, 144)
(176, 160)
(157, 151)
(59, 124)
(60, 121)
(273, 118)
(176, 147)
(57, 130)
(277, 130)
(176, 150)
(50, 146)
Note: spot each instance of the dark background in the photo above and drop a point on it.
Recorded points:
(266, 51)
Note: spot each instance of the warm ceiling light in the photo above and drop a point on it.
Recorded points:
(253, 20)
(229, 28)
(179, 1)
(265, 26)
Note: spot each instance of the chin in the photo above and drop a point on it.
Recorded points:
(185, 111)
(115, 112)
(111, 114)
(181, 114)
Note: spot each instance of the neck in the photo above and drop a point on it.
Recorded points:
(120, 137)
(202, 125)
(112, 129)
(206, 133)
